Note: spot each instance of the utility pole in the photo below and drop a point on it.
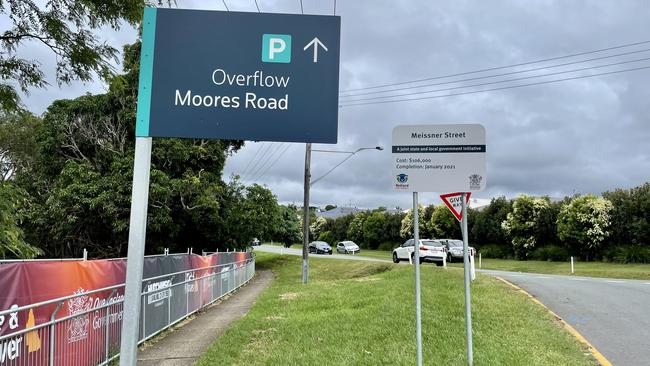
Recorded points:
(305, 215)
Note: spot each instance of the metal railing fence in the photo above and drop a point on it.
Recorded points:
(89, 334)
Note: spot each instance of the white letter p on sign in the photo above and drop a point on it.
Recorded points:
(276, 45)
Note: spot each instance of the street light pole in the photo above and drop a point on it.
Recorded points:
(305, 216)
(305, 205)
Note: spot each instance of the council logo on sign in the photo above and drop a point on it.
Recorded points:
(402, 178)
(475, 181)
(276, 48)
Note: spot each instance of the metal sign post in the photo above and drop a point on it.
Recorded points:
(440, 158)
(135, 261)
(468, 303)
(416, 263)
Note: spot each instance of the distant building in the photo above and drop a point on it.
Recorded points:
(338, 212)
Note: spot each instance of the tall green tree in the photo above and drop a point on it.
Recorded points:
(17, 142)
(584, 224)
(288, 231)
(67, 29)
(80, 181)
(630, 216)
(485, 225)
(374, 229)
(406, 229)
(355, 229)
(443, 223)
(12, 239)
(523, 224)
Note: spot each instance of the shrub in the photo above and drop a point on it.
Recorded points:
(552, 253)
(495, 251)
(628, 254)
(387, 245)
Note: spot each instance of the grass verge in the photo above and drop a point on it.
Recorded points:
(358, 313)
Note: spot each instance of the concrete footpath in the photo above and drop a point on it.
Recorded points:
(186, 344)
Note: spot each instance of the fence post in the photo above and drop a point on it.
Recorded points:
(85, 254)
(108, 312)
(53, 332)
(480, 264)
(572, 269)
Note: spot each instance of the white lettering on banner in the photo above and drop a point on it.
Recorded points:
(190, 287)
(220, 77)
(10, 350)
(276, 45)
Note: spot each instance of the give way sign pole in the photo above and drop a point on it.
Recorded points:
(457, 204)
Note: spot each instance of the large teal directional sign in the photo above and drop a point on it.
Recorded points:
(232, 75)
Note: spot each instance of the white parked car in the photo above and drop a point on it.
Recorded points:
(346, 247)
(430, 251)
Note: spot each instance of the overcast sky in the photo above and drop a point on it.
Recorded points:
(581, 136)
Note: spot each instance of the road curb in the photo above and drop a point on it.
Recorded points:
(594, 351)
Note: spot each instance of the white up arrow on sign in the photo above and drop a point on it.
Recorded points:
(315, 43)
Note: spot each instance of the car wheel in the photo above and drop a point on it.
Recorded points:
(395, 259)
(450, 259)
(330, 253)
(346, 251)
(439, 264)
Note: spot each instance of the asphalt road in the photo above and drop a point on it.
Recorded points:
(289, 251)
(613, 315)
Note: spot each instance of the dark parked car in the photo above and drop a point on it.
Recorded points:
(320, 247)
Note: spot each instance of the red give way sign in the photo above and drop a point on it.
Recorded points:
(454, 203)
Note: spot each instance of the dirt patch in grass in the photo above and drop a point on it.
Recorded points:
(289, 296)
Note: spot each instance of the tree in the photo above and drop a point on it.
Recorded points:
(330, 207)
(522, 224)
(406, 230)
(80, 181)
(485, 225)
(443, 224)
(584, 224)
(373, 229)
(317, 226)
(355, 230)
(64, 27)
(630, 216)
(12, 241)
(288, 231)
(339, 227)
(17, 142)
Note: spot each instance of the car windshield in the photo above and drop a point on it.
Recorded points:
(455, 243)
(349, 244)
(434, 243)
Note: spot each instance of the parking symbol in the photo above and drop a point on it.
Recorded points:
(276, 48)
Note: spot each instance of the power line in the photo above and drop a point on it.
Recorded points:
(264, 160)
(501, 88)
(302, 10)
(498, 81)
(224, 4)
(268, 160)
(257, 6)
(256, 163)
(274, 161)
(499, 67)
(334, 7)
(496, 75)
(253, 159)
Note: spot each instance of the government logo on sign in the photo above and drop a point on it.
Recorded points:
(402, 178)
(276, 48)
(475, 181)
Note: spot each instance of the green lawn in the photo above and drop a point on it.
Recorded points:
(592, 269)
(357, 313)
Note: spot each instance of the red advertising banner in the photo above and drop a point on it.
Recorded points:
(89, 321)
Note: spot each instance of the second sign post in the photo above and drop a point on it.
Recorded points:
(439, 158)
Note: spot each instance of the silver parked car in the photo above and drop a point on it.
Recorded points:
(347, 246)
(455, 249)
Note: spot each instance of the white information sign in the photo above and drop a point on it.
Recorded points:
(439, 158)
